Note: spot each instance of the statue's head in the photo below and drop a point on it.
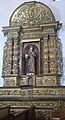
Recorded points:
(31, 48)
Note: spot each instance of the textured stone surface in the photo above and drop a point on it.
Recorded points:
(32, 14)
(32, 23)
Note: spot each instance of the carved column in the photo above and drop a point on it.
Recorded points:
(7, 64)
(50, 59)
(15, 56)
(4, 69)
(21, 60)
(45, 60)
(11, 58)
(7, 58)
(59, 62)
(52, 53)
(41, 54)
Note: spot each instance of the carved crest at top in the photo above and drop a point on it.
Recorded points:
(31, 14)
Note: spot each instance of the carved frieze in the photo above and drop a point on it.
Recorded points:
(31, 35)
(48, 30)
(38, 104)
(33, 92)
(10, 92)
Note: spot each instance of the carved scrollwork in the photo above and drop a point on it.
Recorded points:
(38, 104)
(32, 14)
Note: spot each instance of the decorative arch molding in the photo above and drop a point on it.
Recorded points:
(31, 14)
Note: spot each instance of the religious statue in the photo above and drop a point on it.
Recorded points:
(30, 60)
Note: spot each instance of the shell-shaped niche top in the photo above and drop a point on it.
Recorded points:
(31, 14)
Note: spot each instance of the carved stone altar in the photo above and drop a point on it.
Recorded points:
(32, 60)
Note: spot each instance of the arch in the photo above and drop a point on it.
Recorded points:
(31, 14)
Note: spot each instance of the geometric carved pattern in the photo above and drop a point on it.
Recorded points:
(33, 92)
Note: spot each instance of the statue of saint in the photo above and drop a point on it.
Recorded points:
(30, 58)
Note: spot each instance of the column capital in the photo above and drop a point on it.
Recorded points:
(11, 31)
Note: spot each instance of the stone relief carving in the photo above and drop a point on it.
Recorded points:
(29, 35)
(43, 114)
(40, 92)
(38, 104)
(32, 14)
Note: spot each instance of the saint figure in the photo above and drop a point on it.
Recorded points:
(30, 60)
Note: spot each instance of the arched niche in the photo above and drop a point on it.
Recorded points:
(30, 59)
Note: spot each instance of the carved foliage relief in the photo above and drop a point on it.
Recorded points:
(32, 14)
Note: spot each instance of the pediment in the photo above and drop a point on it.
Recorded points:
(32, 14)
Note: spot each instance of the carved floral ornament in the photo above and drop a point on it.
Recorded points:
(31, 14)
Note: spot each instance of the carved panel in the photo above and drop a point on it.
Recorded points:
(10, 81)
(43, 114)
(46, 80)
(31, 35)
